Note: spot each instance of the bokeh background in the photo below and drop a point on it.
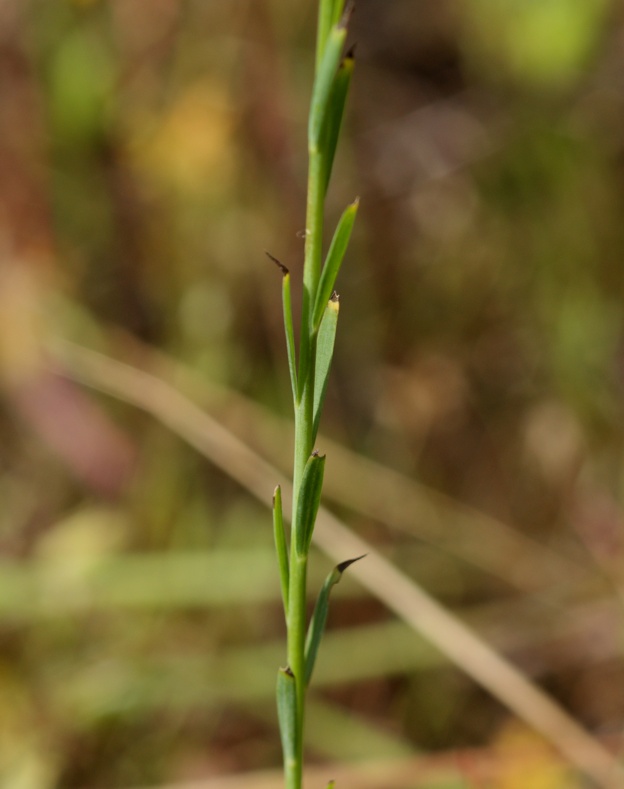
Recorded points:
(150, 151)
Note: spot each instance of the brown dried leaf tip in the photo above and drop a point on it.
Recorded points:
(277, 262)
(343, 565)
(346, 16)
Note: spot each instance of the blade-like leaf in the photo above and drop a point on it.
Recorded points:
(280, 545)
(308, 502)
(337, 102)
(324, 353)
(290, 334)
(288, 324)
(319, 617)
(324, 80)
(328, 15)
(287, 712)
(333, 261)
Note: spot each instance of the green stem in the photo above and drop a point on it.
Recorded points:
(304, 438)
(311, 274)
(329, 11)
(297, 596)
(296, 658)
(314, 226)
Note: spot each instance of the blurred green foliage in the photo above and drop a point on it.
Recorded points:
(534, 44)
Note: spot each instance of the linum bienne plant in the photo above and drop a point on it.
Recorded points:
(308, 375)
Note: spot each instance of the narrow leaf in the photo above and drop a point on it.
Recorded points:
(328, 15)
(288, 324)
(331, 785)
(333, 262)
(290, 334)
(319, 617)
(323, 82)
(324, 353)
(287, 712)
(337, 102)
(280, 545)
(304, 381)
(308, 502)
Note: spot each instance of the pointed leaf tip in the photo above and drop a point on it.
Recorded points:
(277, 262)
(343, 565)
(347, 13)
(319, 616)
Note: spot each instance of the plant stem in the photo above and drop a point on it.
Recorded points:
(314, 232)
(311, 275)
(327, 104)
(304, 438)
(296, 661)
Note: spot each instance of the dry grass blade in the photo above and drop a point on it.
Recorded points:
(418, 510)
(401, 594)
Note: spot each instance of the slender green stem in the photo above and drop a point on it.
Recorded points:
(311, 272)
(296, 658)
(304, 437)
(293, 773)
(296, 623)
(314, 225)
(326, 109)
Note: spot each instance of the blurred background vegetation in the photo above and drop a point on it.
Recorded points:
(150, 151)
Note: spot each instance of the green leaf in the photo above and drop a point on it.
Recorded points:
(337, 102)
(319, 617)
(288, 324)
(280, 545)
(308, 502)
(287, 712)
(290, 334)
(324, 80)
(333, 262)
(328, 15)
(331, 785)
(324, 353)
(304, 382)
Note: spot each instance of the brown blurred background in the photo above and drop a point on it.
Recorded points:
(150, 151)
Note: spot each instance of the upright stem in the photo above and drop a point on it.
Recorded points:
(311, 274)
(314, 231)
(326, 107)
(304, 438)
